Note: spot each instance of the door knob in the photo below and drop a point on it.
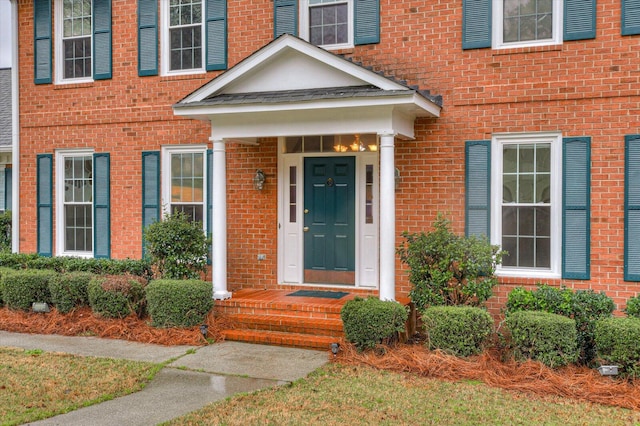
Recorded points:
(306, 211)
(305, 229)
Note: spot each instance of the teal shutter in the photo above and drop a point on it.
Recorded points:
(632, 208)
(630, 17)
(285, 14)
(366, 22)
(476, 24)
(150, 189)
(216, 29)
(478, 188)
(101, 206)
(147, 37)
(44, 201)
(42, 41)
(576, 206)
(579, 19)
(101, 39)
(8, 189)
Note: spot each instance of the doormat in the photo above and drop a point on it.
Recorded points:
(321, 294)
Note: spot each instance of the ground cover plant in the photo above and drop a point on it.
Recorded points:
(36, 385)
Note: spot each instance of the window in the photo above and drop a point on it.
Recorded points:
(327, 22)
(527, 22)
(183, 38)
(184, 182)
(75, 19)
(75, 207)
(526, 201)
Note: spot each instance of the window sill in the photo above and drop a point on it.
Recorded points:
(527, 273)
(527, 49)
(61, 86)
(181, 77)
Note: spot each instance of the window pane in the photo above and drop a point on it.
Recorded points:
(543, 188)
(543, 158)
(510, 159)
(509, 188)
(510, 245)
(525, 189)
(525, 20)
(543, 253)
(526, 252)
(509, 221)
(526, 221)
(543, 221)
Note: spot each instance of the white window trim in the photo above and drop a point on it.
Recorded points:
(497, 142)
(497, 25)
(165, 176)
(61, 155)
(303, 25)
(165, 47)
(59, 49)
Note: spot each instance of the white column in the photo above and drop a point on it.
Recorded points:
(387, 218)
(219, 222)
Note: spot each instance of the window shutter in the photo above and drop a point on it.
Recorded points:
(216, 28)
(632, 208)
(476, 24)
(285, 14)
(42, 41)
(150, 190)
(101, 39)
(478, 188)
(8, 189)
(579, 19)
(45, 206)
(101, 206)
(147, 37)
(630, 17)
(366, 21)
(576, 205)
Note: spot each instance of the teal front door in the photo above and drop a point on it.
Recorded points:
(329, 220)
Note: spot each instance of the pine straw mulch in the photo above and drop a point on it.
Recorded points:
(578, 383)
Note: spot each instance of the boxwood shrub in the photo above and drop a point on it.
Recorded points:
(618, 343)
(117, 296)
(543, 336)
(368, 322)
(21, 288)
(178, 303)
(633, 307)
(458, 330)
(70, 290)
(2, 272)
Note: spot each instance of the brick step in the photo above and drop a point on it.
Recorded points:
(295, 340)
(304, 310)
(289, 324)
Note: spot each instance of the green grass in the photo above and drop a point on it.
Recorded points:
(36, 385)
(339, 395)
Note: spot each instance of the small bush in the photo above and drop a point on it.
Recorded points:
(618, 343)
(633, 307)
(448, 269)
(368, 322)
(69, 290)
(458, 330)
(178, 303)
(3, 271)
(5, 231)
(177, 247)
(543, 336)
(21, 288)
(117, 296)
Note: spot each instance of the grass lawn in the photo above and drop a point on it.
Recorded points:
(339, 395)
(35, 385)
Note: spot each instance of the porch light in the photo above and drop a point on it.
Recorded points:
(259, 179)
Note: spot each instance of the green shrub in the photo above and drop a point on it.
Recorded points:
(633, 307)
(5, 231)
(176, 247)
(618, 343)
(448, 269)
(368, 322)
(117, 296)
(458, 330)
(3, 271)
(21, 288)
(69, 290)
(178, 303)
(584, 306)
(543, 336)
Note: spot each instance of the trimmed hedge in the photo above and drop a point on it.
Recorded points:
(543, 336)
(21, 288)
(458, 330)
(178, 303)
(618, 343)
(633, 307)
(117, 296)
(70, 290)
(3, 271)
(368, 322)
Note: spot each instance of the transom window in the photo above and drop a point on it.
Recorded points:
(527, 22)
(331, 143)
(327, 23)
(78, 203)
(76, 39)
(185, 35)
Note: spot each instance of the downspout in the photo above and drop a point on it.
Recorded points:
(15, 134)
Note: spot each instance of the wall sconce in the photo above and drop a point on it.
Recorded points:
(397, 177)
(259, 179)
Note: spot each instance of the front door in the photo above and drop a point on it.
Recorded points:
(329, 220)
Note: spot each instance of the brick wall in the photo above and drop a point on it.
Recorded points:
(581, 88)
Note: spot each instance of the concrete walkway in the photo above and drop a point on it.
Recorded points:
(194, 377)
